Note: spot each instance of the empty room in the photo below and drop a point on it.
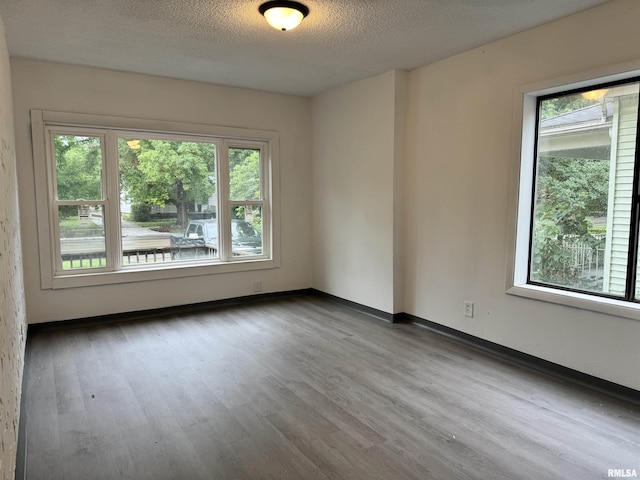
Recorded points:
(319, 239)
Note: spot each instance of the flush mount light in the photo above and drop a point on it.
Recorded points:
(595, 94)
(283, 15)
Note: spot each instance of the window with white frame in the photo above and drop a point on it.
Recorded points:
(125, 200)
(579, 197)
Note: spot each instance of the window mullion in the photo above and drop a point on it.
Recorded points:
(56, 257)
(112, 223)
(265, 195)
(223, 211)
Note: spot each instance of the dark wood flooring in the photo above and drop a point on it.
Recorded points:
(303, 388)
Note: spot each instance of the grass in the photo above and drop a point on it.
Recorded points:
(73, 223)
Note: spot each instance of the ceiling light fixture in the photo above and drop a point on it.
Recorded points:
(595, 94)
(283, 15)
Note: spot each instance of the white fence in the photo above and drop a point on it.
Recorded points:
(587, 260)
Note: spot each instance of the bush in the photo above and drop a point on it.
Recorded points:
(141, 212)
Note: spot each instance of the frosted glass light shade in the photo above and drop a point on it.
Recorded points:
(595, 94)
(283, 15)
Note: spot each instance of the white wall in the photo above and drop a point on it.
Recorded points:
(50, 86)
(357, 156)
(456, 187)
(12, 307)
(457, 192)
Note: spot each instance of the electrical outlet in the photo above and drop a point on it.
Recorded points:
(468, 309)
(257, 286)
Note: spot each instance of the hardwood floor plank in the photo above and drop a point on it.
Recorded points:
(42, 420)
(216, 453)
(113, 458)
(325, 451)
(357, 430)
(47, 464)
(79, 460)
(303, 388)
(272, 455)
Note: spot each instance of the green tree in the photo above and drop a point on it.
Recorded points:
(570, 191)
(78, 169)
(244, 181)
(564, 104)
(161, 172)
(244, 175)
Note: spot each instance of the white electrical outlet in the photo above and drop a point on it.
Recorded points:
(468, 309)
(257, 286)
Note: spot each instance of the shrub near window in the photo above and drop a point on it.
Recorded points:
(141, 212)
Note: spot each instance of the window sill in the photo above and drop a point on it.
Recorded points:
(130, 275)
(583, 301)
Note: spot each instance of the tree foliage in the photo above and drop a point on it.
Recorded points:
(154, 172)
(78, 167)
(244, 174)
(244, 182)
(567, 103)
(78, 170)
(569, 193)
(161, 172)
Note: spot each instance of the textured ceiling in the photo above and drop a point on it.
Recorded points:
(228, 42)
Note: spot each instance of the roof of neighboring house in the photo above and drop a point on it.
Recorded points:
(582, 133)
(588, 115)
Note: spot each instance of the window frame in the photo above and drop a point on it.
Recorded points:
(228, 202)
(522, 181)
(46, 123)
(55, 203)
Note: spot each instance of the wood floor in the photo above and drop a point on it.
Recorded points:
(303, 388)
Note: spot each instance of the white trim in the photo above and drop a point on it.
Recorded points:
(273, 180)
(157, 126)
(607, 74)
(619, 308)
(109, 128)
(112, 224)
(160, 272)
(521, 195)
(224, 232)
(55, 203)
(43, 198)
(525, 194)
(265, 192)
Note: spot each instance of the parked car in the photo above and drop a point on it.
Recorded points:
(201, 237)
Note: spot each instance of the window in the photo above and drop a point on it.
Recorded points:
(579, 200)
(125, 202)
